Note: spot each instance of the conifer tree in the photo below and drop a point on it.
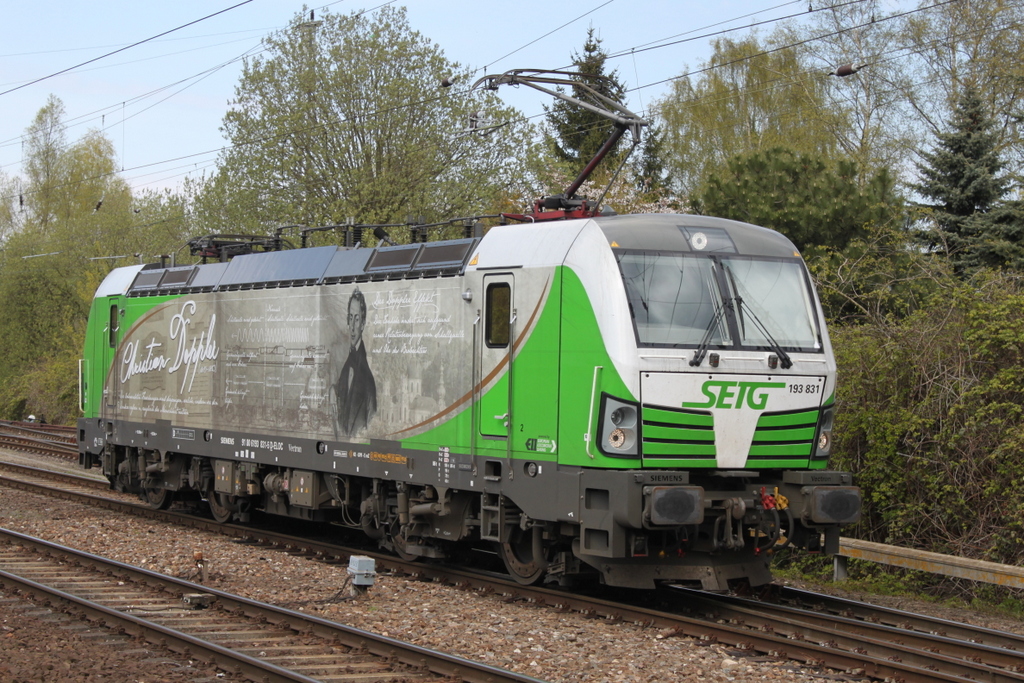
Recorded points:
(994, 239)
(578, 132)
(651, 177)
(812, 200)
(961, 177)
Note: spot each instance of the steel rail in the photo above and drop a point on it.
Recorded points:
(858, 658)
(388, 649)
(967, 658)
(38, 445)
(177, 641)
(809, 653)
(43, 474)
(901, 619)
(56, 433)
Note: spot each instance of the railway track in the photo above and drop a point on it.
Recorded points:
(898, 618)
(930, 644)
(813, 629)
(29, 437)
(55, 433)
(260, 641)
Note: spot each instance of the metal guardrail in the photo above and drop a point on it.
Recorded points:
(936, 563)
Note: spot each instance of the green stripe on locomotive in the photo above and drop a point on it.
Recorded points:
(99, 356)
(554, 389)
(553, 384)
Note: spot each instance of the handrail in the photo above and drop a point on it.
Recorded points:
(590, 415)
(922, 560)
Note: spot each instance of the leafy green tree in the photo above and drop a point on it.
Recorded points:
(11, 200)
(956, 45)
(878, 277)
(747, 97)
(72, 220)
(812, 201)
(45, 172)
(873, 123)
(930, 418)
(962, 178)
(345, 117)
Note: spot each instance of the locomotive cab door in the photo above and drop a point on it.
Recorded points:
(110, 343)
(496, 347)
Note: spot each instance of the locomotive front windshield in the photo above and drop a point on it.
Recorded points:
(684, 300)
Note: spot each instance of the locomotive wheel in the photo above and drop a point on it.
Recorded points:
(158, 498)
(517, 554)
(220, 508)
(399, 543)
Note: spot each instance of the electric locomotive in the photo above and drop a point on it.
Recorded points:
(634, 398)
(647, 397)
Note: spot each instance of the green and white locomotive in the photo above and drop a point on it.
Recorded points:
(634, 398)
(641, 397)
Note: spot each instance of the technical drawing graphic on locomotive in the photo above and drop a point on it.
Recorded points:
(635, 398)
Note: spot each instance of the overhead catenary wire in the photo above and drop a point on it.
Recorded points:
(430, 99)
(99, 114)
(878, 59)
(551, 32)
(150, 58)
(764, 86)
(127, 47)
(371, 10)
(660, 44)
(798, 43)
(90, 48)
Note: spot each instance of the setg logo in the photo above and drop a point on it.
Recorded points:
(724, 394)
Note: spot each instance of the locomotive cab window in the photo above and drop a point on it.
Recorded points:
(719, 301)
(772, 296)
(112, 327)
(497, 328)
(675, 299)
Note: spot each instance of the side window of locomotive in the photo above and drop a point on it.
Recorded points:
(497, 329)
(112, 326)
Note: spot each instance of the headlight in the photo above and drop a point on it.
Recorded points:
(824, 442)
(619, 427)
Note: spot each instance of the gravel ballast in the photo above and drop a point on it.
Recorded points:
(538, 641)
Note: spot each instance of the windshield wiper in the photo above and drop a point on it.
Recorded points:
(784, 359)
(702, 348)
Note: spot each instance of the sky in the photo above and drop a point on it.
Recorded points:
(162, 102)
